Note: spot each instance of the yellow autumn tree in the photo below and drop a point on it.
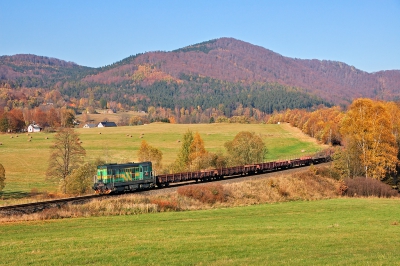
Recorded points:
(367, 129)
(394, 116)
(152, 154)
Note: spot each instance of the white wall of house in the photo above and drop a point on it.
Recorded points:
(89, 126)
(33, 128)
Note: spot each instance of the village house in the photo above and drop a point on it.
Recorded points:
(89, 125)
(107, 124)
(32, 128)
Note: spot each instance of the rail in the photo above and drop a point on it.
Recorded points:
(33, 207)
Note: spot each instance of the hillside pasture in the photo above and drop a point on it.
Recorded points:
(25, 156)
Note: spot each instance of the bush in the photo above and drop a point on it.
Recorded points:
(165, 204)
(204, 193)
(366, 187)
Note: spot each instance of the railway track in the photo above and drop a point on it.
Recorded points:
(28, 208)
(33, 207)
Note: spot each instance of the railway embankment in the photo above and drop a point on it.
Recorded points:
(309, 183)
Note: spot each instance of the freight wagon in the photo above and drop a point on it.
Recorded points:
(118, 178)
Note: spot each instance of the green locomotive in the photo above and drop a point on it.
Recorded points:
(117, 178)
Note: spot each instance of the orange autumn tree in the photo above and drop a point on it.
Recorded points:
(368, 132)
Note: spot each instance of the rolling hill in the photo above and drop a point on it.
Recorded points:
(209, 71)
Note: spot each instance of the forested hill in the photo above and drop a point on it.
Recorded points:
(26, 70)
(237, 61)
(224, 73)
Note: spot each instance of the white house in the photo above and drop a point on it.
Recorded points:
(89, 125)
(106, 124)
(32, 128)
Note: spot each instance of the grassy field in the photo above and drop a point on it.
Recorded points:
(25, 157)
(327, 232)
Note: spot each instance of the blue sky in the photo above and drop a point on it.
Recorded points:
(364, 34)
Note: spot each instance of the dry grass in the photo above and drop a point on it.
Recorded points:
(305, 185)
(308, 185)
(210, 193)
(301, 186)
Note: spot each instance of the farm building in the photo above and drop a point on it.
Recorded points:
(107, 124)
(32, 128)
(89, 125)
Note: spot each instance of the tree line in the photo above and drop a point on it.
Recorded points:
(189, 93)
(368, 135)
(17, 119)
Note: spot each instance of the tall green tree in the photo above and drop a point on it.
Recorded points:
(4, 125)
(182, 163)
(67, 154)
(103, 103)
(67, 117)
(2, 177)
(246, 148)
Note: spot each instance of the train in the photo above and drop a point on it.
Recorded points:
(128, 177)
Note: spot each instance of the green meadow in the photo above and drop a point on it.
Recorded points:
(25, 157)
(327, 232)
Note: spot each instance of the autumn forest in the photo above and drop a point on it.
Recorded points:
(222, 80)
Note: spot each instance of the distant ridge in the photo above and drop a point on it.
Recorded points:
(224, 59)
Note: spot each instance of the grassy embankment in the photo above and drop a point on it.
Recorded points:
(25, 157)
(329, 232)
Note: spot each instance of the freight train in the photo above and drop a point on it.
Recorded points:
(120, 178)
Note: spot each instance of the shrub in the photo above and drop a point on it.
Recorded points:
(366, 187)
(328, 172)
(165, 204)
(204, 193)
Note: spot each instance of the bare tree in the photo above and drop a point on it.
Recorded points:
(67, 154)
